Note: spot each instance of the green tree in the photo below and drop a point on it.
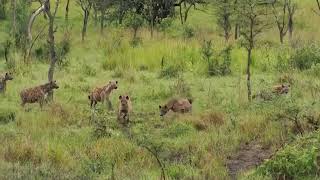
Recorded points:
(253, 20)
(86, 8)
(223, 11)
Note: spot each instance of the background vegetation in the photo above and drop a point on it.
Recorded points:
(156, 54)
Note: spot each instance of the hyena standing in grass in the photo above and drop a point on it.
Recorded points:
(179, 105)
(102, 94)
(124, 109)
(3, 82)
(37, 94)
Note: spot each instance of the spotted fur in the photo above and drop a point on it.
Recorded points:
(101, 94)
(179, 105)
(124, 110)
(37, 94)
(281, 89)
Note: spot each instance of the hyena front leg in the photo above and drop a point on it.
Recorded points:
(109, 104)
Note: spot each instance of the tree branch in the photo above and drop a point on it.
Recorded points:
(32, 19)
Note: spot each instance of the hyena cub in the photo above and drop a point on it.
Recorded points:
(180, 105)
(37, 94)
(3, 82)
(102, 94)
(124, 110)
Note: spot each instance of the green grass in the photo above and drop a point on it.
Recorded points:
(61, 141)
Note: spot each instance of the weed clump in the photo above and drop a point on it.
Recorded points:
(170, 71)
(7, 116)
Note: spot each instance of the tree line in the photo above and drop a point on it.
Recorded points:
(244, 19)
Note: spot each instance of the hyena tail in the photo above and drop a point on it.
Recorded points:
(190, 100)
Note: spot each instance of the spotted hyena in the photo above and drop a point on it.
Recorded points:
(3, 82)
(102, 94)
(281, 89)
(124, 109)
(179, 105)
(37, 94)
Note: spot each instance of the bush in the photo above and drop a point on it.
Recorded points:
(304, 58)
(188, 32)
(217, 65)
(294, 162)
(63, 48)
(7, 116)
(170, 71)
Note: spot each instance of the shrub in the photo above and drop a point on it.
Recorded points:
(226, 61)
(294, 162)
(7, 116)
(170, 71)
(219, 64)
(63, 48)
(304, 58)
(188, 32)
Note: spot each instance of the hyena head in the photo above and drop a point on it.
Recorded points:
(113, 84)
(124, 102)
(163, 110)
(53, 85)
(285, 89)
(8, 77)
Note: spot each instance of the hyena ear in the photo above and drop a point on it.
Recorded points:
(120, 97)
(127, 97)
(160, 107)
(283, 85)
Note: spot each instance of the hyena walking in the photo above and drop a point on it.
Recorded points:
(37, 94)
(102, 94)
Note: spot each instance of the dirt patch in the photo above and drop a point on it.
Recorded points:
(249, 156)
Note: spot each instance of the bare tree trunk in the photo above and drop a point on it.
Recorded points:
(102, 21)
(186, 13)
(236, 31)
(290, 27)
(14, 17)
(95, 12)
(51, 42)
(151, 14)
(181, 16)
(249, 75)
(281, 37)
(85, 24)
(53, 55)
(67, 11)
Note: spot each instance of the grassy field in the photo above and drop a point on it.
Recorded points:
(68, 140)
